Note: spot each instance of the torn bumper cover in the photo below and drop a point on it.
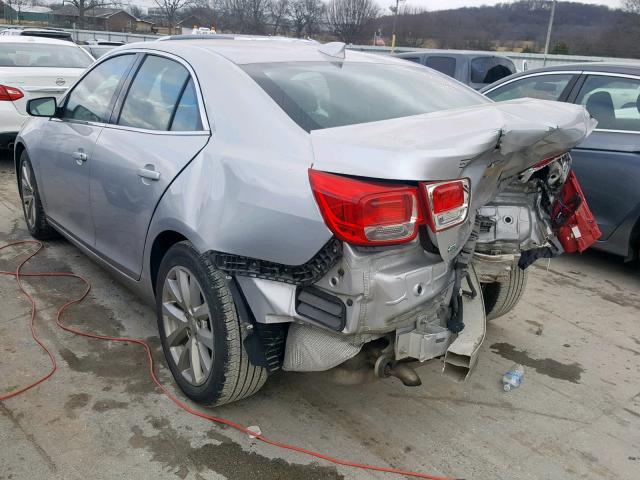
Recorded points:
(413, 295)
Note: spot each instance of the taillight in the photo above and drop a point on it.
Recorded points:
(447, 202)
(365, 212)
(9, 94)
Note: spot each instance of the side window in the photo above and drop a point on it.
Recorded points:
(187, 116)
(154, 94)
(490, 69)
(446, 65)
(91, 98)
(543, 87)
(613, 101)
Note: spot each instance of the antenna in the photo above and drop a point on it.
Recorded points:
(333, 49)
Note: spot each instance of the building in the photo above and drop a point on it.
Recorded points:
(143, 26)
(25, 13)
(110, 19)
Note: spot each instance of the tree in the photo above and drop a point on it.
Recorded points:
(560, 48)
(279, 13)
(306, 16)
(14, 6)
(349, 18)
(170, 9)
(83, 5)
(631, 6)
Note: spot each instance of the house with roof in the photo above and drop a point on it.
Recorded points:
(108, 19)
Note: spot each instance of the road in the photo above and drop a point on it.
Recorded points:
(577, 416)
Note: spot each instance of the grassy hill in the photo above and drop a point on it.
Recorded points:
(579, 29)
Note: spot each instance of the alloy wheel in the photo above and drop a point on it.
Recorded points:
(28, 195)
(187, 325)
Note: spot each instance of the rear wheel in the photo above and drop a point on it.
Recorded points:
(201, 333)
(502, 297)
(34, 215)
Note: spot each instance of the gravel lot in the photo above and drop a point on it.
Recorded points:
(577, 416)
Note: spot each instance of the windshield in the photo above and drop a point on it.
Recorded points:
(42, 55)
(319, 95)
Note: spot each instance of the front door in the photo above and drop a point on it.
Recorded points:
(607, 163)
(155, 132)
(67, 149)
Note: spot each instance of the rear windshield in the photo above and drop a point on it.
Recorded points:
(319, 95)
(487, 70)
(42, 55)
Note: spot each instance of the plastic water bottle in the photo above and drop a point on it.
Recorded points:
(513, 378)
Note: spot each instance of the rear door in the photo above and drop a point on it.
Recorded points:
(65, 153)
(608, 162)
(157, 127)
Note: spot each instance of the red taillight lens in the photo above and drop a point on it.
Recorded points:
(366, 213)
(9, 94)
(448, 203)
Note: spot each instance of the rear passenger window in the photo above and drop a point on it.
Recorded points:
(446, 65)
(154, 94)
(187, 115)
(543, 87)
(613, 101)
(490, 69)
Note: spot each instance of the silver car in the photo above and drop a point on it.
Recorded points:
(291, 205)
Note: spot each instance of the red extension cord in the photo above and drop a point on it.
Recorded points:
(19, 275)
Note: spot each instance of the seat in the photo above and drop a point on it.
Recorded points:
(600, 106)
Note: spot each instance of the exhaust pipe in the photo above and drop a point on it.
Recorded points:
(462, 354)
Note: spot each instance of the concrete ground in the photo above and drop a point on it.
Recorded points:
(577, 416)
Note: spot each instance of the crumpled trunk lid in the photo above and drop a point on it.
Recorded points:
(487, 143)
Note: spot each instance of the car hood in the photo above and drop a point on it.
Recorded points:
(440, 145)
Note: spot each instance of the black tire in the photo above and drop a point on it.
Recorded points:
(502, 297)
(34, 215)
(231, 376)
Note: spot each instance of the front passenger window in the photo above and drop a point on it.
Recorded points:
(91, 98)
(542, 87)
(154, 94)
(613, 101)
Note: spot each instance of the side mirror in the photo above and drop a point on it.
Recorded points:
(42, 107)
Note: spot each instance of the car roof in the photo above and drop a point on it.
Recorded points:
(245, 50)
(448, 53)
(606, 67)
(30, 39)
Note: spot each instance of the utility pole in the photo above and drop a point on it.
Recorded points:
(395, 20)
(546, 45)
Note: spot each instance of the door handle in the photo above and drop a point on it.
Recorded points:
(150, 174)
(79, 157)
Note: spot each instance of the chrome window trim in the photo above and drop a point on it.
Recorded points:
(607, 130)
(206, 126)
(538, 74)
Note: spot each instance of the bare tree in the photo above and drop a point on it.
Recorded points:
(83, 5)
(632, 6)
(169, 8)
(15, 6)
(306, 16)
(279, 13)
(348, 18)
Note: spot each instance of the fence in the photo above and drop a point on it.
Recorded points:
(523, 61)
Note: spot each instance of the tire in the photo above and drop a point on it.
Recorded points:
(211, 366)
(502, 297)
(34, 215)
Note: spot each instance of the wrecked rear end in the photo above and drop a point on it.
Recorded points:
(422, 208)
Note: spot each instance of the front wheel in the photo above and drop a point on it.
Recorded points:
(34, 215)
(502, 297)
(200, 330)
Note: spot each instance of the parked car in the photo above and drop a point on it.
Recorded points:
(38, 32)
(608, 162)
(474, 69)
(96, 51)
(32, 67)
(302, 206)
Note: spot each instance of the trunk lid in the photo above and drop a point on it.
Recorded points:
(38, 82)
(487, 143)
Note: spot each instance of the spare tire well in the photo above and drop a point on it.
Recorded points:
(161, 245)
